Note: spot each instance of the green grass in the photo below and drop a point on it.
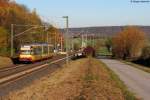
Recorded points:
(146, 69)
(128, 95)
(104, 51)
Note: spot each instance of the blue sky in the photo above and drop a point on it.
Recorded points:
(83, 13)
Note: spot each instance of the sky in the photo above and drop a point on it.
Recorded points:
(85, 13)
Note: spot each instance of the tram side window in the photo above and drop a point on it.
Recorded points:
(45, 49)
(37, 51)
(51, 49)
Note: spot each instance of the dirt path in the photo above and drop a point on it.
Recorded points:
(137, 80)
(85, 79)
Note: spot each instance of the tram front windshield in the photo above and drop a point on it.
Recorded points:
(26, 52)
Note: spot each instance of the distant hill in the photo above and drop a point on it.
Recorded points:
(104, 31)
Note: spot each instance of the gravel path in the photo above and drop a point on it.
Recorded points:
(136, 80)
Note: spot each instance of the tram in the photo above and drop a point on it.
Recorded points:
(35, 52)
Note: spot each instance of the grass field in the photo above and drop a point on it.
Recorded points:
(104, 51)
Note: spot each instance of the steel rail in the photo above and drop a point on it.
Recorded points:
(27, 71)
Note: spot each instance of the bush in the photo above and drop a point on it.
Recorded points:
(4, 43)
(89, 51)
(145, 57)
(146, 53)
(128, 43)
(108, 44)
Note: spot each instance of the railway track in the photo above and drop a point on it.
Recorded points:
(18, 68)
(11, 67)
(11, 73)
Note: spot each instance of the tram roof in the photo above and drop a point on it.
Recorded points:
(37, 44)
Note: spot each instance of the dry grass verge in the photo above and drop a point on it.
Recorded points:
(144, 68)
(85, 79)
(4, 62)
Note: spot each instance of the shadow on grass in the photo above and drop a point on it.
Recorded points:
(15, 60)
(144, 62)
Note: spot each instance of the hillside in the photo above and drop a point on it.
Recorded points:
(104, 30)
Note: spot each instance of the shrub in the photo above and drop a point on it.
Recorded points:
(4, 43)
(108, 44)
(128, 43)
(146, 52)
(89, 51)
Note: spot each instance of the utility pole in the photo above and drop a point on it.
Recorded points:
(66, 36)
(72, 41)
(69, 41)
(82, 40)
(61, 44)
(12, 40)
(93, 40)
(47, 38)
(55, 41)
(86, 39)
